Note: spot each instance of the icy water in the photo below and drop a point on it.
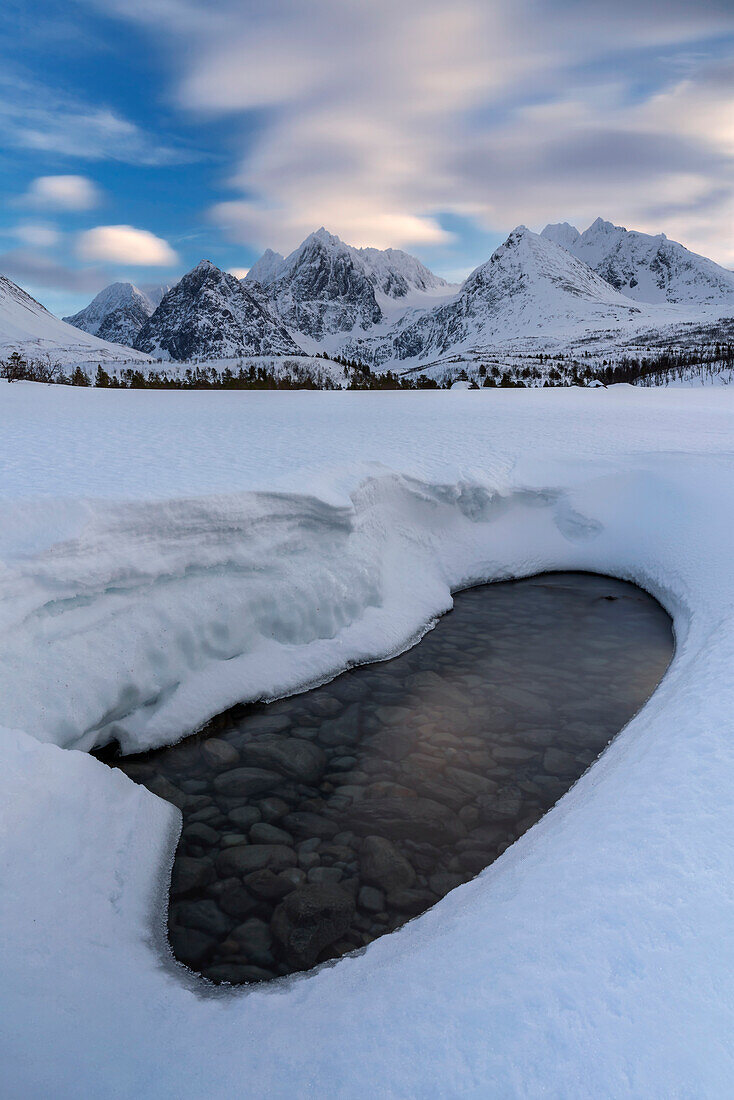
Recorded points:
(315, 824)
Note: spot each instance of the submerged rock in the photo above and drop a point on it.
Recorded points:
(291, 756)
(309, 920)
(382, 865)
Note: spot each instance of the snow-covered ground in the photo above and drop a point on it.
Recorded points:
(163, 553)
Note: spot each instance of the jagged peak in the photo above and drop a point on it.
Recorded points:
(602, 226)
(205, 266)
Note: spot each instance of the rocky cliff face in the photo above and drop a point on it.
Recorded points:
(209, 314)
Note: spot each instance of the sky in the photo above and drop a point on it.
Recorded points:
(140, 136)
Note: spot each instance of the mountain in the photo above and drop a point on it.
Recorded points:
(265, 270)
(209, 314)
(326, 287)
(529, 289)
(563, 234)
(117, 313)
(395, 273)
(27, 327)
(155, 293)
(648, 268)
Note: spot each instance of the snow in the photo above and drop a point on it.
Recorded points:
(28, 328)
(164, 552)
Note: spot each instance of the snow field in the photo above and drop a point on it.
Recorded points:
(163, 554)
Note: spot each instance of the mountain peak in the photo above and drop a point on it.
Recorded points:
(562, 233)
(602, 226)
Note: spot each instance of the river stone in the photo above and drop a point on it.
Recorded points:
(256, 940)
(325, 875)
(266, 884)
(190, 874)
(204, 915)
(237, 902)
(272, 809)
(411, 901)
(371, 899)
(244, 816)
(257, 724)
(243, 782)
(291, 756)
(189, 945)
(306, 824)
(405, 819)
(218, 753)
(263, 833)
(557, 762)
(382, 865)
(470, 782)
(309, 919)
(199, 833)
(245, 858)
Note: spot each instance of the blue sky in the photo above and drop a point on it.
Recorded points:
(138, 136)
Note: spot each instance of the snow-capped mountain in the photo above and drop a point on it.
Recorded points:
(326, 287)
(27, 327)
(323, 288)
(117, 313)
(209, 314)
(395, 273)
(648, 268)
(266, 269)
(530, 288)
(155, 292)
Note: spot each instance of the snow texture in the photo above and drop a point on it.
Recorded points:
(163, 553)
(28, 328)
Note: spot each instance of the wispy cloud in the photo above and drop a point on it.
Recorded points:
(47, 120)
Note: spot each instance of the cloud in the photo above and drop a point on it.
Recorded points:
(375, 118)
(63, 193)
(124, 244)
(47, 120)
(27, 267)
(36, 235)
(238, 272)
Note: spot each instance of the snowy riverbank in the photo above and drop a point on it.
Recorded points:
(164, 554)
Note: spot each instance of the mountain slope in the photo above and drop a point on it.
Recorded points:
(27, 327)
(210, 315)
(530, 289)
(649, 268)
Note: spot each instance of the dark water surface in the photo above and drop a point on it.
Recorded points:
(315, 824)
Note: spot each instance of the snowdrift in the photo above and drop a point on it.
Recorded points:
(258, 542)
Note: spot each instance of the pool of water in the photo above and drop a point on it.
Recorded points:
(314, 824)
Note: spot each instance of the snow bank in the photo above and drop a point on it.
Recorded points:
(166, 553)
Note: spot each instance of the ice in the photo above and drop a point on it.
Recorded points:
(163, 553)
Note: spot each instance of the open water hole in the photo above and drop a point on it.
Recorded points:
(316, 823)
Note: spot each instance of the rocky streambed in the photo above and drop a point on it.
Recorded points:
(314, 824)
